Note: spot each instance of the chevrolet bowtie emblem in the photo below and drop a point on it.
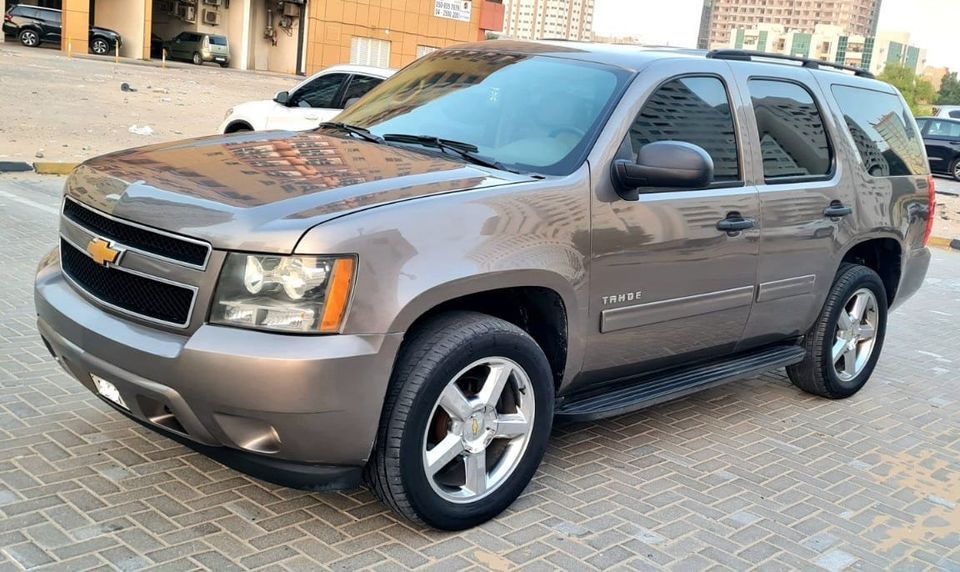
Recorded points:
(475, 427)
(102, 253)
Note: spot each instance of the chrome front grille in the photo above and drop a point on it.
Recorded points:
(154, 275)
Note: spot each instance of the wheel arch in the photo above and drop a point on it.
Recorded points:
(237, 125)
(539, 302)
(881, 253)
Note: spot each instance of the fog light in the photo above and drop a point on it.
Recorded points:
(108, 390)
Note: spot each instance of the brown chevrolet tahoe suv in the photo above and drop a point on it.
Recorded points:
(501, 236)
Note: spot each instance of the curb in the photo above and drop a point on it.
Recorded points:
(15, 167)
(54, 167)
(941, 242)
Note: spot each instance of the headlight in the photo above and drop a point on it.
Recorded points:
(307, 294)
(228, 114)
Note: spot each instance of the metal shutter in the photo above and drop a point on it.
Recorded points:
(370, 52)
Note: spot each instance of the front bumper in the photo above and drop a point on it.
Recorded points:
(299, 410)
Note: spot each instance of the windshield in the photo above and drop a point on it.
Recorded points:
(531, 113)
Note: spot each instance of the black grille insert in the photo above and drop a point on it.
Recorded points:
(131, 292)
(136, 237)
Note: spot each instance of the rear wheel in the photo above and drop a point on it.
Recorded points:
(465, 423)
(100, 46)
(29, 38)
(197, 60)
(845, 343)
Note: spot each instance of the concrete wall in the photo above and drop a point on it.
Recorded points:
(76, 26)
(264, 55)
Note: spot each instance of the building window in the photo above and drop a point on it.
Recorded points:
(793, 141)
(424, 50)
(370, 52)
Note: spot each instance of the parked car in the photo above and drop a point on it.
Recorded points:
(950, 111)
(314, 100)
(33, 25)
(942, 139)
(414, 293)
(199, 48)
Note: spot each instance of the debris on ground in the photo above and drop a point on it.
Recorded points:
(126, 87)
(137, 130)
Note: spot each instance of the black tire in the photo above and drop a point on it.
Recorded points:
(955, 169)
(100, 46)
(29, 37)
(197, 60)
(816, 373)
(224, 64)
(429, 359)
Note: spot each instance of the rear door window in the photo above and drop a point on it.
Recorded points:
(793, 140)
(359, 86)
(884, 131)
(218, 40)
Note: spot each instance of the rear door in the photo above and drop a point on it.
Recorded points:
(310, 104)
(793, 137)
(666, 285)
(219, 48)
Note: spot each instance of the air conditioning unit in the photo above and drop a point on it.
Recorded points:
(213, 2)
(211, 17)
(188, 13)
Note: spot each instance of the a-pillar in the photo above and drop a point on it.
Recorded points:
(76, 26)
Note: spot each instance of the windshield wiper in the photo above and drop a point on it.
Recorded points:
(466, 150)
(353, 130)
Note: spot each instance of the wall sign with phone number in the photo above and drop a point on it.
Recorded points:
(453, 9)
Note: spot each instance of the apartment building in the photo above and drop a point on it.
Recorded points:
(290, 36)
(538, 19)
(721, 17)
(832, 44)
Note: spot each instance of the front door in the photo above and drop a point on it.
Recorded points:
(310, 104)
(667, 285)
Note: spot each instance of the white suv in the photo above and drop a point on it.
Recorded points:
(316, 99)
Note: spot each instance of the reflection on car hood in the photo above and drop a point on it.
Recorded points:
(262, 191)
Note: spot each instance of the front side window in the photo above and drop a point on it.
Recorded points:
(527, 112)
(943, 128)
(793, 140)
(884, 131)
(319, 93)
(693, 110)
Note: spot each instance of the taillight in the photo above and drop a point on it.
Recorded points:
(931, 208)
(7, 18)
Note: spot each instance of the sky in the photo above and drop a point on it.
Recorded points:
(932, 23)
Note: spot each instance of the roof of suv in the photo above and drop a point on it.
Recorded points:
(634, 57)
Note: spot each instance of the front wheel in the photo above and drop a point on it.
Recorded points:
(466, 421)
(100, 46)
(955, 169)
(29, 38)
(844, 344)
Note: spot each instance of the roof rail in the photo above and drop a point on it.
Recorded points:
(748, 55)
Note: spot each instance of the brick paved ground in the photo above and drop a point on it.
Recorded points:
(753, 473)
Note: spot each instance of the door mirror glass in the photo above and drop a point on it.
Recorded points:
(663, 165)
(282, 97)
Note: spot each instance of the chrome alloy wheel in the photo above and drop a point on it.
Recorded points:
(479, 430)
(856, 334)
(100, 46)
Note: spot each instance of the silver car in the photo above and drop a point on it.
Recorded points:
(500, 236)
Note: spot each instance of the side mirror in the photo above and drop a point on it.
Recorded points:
(282, 97)
(664, 164)
(349, 103)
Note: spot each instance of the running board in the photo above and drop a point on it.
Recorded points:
(634, 393)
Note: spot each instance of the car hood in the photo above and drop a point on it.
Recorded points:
(102, 29)
(261, 191)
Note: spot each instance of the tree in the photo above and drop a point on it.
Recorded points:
(918, 92)
(949, 90)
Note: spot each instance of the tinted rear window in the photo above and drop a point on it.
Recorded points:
(218, 40)
(884, 131)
